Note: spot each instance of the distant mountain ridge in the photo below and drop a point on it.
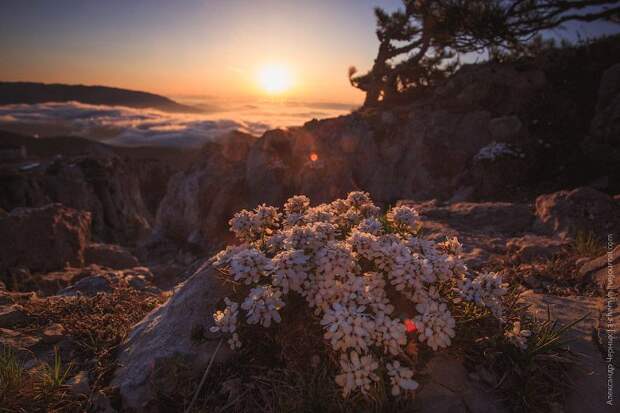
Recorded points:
(32, 93)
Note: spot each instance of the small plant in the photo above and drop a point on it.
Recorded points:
(53, 377)
(587, 244)
(530, 361)
(370, 285)
(11, 372)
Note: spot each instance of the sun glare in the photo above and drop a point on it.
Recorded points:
(275, 79)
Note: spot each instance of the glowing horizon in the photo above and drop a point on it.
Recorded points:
(210, 48)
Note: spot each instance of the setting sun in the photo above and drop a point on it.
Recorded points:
(275, 79)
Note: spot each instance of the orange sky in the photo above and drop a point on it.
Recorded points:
(210, 48)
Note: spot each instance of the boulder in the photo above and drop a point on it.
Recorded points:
(589, 378)
(165, 337)
(505, 128)
(109, 255)
(565, 213)
(12, 316)
(101, 185)
(44, 239)
(489, 217)
(89, 286)
(450, 389)
(530, 247)
(602, 271)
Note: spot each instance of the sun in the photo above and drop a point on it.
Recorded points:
(275, 78)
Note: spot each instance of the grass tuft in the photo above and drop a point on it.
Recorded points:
(587, 244)
(11, 373)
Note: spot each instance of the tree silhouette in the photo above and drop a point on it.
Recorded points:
(421, 43)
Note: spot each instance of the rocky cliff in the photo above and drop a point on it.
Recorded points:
(494, 131)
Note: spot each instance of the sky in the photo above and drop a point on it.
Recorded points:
(209, 48)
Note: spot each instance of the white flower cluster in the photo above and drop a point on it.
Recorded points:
(348, 264)
(400, 378)
(496, 150)
(518, 336)
(403, 217)
(226, 322)
(486, 290)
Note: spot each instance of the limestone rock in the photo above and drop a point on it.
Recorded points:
(201, 200)
(505, 128)
(109, 255)
(12, 316)
(164, 337)
(450, 389)
(589, 390)
(44, 239)
(530, 247)
(601, 270)
(89, 286)
(565, 213)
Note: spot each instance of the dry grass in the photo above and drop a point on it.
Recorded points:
(95, 326)
(587, 244)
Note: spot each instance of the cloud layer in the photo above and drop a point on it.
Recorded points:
(139, 127)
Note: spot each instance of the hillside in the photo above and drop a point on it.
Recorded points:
(31, 93)
(479, 213)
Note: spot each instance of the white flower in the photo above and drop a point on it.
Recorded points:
(266, 217)
(371, 225)
(517, 336)
(243, 225)
(347, 327)
(249, 265)
(262, 305)
(335, 259)
(340, 260)
(290, 270)
(226, 320)
(495, 150)
(321, 213)
(223, 258)
(486, 290)
(403, 218)
(364, 243)
(390, 334)
(297, 204)
(301, 238)
(358, 199)
(357, 373)
(435, 324)
(400, 378)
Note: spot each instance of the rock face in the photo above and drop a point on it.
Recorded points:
(532, 247)
(101, 185)
(200, 201)
(168, 335)
(565, 213)
(44, 239)
(109, 255)
(605, 128)
(482, 134)
(424, 151)
(602, 271)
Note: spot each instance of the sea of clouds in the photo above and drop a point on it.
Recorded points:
(125, 126)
